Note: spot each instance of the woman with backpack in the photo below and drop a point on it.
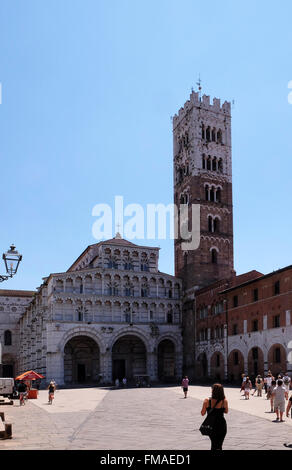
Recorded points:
(216, 406)
(259, 385)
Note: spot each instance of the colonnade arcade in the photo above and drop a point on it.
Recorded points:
(85, 361)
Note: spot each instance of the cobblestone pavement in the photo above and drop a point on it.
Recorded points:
(146, 418)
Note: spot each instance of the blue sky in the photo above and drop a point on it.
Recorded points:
(88, 90)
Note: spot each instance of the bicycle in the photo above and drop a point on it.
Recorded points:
(22, 398)
(51, 397)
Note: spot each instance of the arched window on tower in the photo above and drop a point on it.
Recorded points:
(208, 134)
(207, 193)
(216, 225)
(212, 194)
(220, 165)
(214, 164)
(210, 224)
(214, 256)
(214, 135)
(218, 195)
(209, 163)
(204, 162)
(203, 132)
(219, 136)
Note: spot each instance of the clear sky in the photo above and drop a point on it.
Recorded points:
(88, 91)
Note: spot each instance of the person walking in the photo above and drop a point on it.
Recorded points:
(287, 380)
(289, 407)
(280, 394)
(247, 386)
(243, 379)
(218, 406)
(185, 385)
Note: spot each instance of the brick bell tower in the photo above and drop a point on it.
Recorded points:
(203, 175)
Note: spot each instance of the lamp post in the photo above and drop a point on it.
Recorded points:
(11, 260)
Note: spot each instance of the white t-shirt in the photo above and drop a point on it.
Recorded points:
(279, 392)
(269, 381)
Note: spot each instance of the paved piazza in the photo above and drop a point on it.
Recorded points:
(146, 418)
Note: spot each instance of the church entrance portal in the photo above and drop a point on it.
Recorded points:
(81, 361)
(129, 358)
(166, 361)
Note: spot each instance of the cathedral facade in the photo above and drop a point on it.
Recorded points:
(112, 315)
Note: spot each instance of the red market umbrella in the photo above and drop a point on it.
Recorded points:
(29, 375)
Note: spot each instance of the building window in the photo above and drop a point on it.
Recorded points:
(235, 329)
(277, 288)
(7, 338)
(144, 292)
(255, 325)
(255, 295)
(276, 321)
(277, 355)
(235, 301)
(169, 317)
(235, 358)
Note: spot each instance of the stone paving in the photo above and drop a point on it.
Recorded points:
(146, 418)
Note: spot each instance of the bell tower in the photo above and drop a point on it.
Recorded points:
(202, 166)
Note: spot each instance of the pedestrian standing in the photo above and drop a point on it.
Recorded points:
(259, 385)
(270, 393)
(218, 406)
(268, 379)
(185, 385)
(124, 382)
(117, 383)
(280, 394)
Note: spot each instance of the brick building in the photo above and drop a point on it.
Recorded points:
(231, 324)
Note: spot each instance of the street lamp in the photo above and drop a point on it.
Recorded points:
(11, 259)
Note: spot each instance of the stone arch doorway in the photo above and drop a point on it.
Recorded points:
(8, 365)
(202, 366)
(217, 366)
(129, 358)
(277, 359)
(81, 361)
(235, 366)
(166, 361)
(255, 362)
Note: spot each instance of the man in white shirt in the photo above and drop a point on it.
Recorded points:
(280, 393)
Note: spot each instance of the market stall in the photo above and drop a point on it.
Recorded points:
(28, 377)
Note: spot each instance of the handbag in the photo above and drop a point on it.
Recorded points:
(207, 425)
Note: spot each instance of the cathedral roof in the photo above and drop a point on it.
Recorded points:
(117, 240)
(16, 293)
